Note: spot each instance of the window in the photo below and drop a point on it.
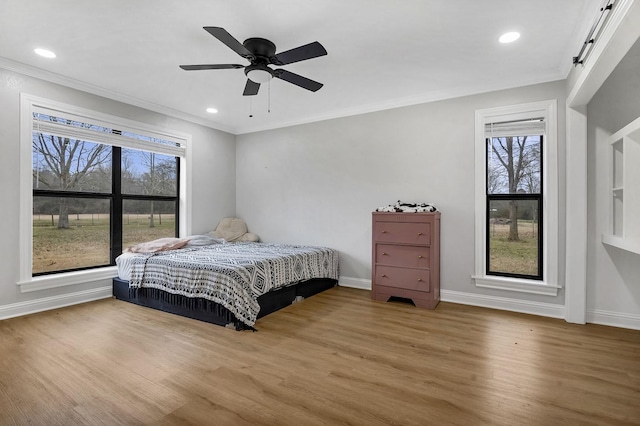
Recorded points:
(98, 184)
(516, 198)
(514, 203)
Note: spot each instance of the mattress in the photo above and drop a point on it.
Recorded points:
(124, 263)
(233, 274)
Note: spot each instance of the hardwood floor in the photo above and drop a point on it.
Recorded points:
(335, 358)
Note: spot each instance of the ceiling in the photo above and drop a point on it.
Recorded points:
(381, 53)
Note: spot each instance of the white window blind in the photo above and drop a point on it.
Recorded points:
(515, 128)
(91, 130)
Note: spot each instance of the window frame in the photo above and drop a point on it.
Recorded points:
(30, 104)
(548, 285)
(537, 197)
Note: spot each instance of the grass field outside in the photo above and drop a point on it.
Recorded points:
(86, 241)
(514, 257)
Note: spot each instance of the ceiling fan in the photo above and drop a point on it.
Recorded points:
(262, 53)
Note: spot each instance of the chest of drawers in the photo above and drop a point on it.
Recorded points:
(406, 257)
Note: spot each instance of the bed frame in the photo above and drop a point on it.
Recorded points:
(208, 311)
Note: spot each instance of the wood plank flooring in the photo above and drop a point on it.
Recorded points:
(336, 358)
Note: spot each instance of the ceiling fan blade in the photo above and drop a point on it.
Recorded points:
(302, 53)
(298, 80)
(251, 88)
(233, 44)
(210, 67)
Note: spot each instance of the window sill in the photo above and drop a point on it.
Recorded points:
(515, 284)
(67, 278)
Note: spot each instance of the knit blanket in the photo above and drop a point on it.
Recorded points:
(232, 274)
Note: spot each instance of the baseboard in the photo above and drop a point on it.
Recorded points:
(54, 302)
(614, 319)
(608, 318)
(503, 303)
(360, 283)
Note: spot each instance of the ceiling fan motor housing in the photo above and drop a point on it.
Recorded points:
(261, 48)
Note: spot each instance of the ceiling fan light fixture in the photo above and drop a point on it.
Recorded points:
(258, 75)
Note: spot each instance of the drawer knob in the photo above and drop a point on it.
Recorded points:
(384, 232)
(419, 233)
(384, 254)
(420, 257)
(384, 276)
(420, 280)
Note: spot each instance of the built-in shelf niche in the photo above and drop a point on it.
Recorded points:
(624, 189)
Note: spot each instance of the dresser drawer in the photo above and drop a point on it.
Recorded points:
(403, 232)
(407, 278)
(400, 255)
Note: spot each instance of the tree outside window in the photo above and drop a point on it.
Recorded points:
(83, 203)
(514, 201)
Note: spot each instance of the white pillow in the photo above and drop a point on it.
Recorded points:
(161, 244)
(203, 240)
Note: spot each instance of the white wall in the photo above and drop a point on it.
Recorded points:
(213, 169)
(318, 183)
(613, 275)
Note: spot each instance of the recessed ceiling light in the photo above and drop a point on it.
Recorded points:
(212, 110)
(45, 53)
(509, 37)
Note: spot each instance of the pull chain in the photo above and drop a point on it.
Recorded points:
(250, 106)
(269, 99)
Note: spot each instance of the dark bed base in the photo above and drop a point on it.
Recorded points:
(205, 310)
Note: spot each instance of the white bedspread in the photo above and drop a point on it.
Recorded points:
(232, 274)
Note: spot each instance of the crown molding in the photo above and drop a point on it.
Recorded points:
(72, 83)
(62, 80)
(400, 103)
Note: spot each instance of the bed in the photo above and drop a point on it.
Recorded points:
(229, 284)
